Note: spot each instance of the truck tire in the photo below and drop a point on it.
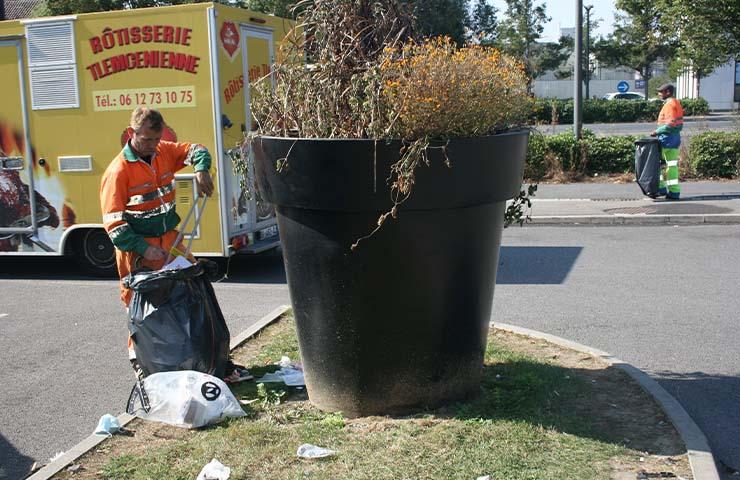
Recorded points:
(96, 253)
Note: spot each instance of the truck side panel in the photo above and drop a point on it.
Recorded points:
(248, 42)
(157, 57)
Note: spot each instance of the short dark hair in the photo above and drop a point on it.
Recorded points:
(150, 116)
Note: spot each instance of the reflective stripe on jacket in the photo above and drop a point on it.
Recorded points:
(138, 199)
(670, 119)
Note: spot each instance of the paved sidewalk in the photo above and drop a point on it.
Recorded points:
(620, 204)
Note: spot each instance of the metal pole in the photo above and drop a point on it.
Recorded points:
(587, 72)
(578, 72)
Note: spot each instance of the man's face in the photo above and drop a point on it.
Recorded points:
(663, 94)
(145, 140)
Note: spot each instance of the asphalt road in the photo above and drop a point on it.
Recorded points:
(662, 298)
(63, 349)
(691, 127)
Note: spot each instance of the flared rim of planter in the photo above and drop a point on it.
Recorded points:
(357, 174)
(520, 131)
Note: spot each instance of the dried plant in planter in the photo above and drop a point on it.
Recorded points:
(369, 77)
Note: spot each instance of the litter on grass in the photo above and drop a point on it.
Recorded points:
(290, 373)
(107, 425)
(185, 399)
(214, 470)
(312, 451)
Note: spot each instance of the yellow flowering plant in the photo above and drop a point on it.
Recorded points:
(368, 76)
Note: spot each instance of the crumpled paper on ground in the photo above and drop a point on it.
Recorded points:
(291, 374)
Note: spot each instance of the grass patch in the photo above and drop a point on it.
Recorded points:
(543, 413)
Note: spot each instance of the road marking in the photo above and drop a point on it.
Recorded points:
(3, 315)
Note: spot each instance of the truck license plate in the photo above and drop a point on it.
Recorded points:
(268, 232)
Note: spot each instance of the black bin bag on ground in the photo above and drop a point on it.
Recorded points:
(647, 165)
(176, 323)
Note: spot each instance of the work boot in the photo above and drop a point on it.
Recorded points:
(673, 196)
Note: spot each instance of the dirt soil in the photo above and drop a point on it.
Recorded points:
(617, 405)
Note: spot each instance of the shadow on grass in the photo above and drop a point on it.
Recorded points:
(602, 404)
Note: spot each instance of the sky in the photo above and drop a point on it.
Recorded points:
(563, 14)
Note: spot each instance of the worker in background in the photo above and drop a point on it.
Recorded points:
(670, 123)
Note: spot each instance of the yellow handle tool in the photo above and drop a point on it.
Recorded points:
(174, 251)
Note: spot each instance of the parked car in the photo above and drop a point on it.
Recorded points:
(624, 96)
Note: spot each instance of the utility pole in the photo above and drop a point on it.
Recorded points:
(578, 72)
(587, 72)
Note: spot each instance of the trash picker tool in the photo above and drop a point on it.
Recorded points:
(174, 251)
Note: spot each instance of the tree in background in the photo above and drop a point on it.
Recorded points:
(442, 18)
(66, 7)
(552, 56)
(638, 39)
(483, 23)
(280, 8)
(522, 26)
(519, 31)
(704, 37)
(567, 44)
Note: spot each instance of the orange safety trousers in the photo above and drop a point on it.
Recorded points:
(128, 261)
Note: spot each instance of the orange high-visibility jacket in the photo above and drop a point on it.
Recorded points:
(670, 118)
(138, 199)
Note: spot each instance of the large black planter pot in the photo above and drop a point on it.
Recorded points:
(401, 322)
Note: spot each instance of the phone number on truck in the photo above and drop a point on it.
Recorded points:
(162, 97)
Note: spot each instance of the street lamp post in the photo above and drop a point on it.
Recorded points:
(587, 73)
(578, 72)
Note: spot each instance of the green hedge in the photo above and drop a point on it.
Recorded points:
(592, 154)
(715, 154)
(710, 154)
(610, 111)
(694, 106)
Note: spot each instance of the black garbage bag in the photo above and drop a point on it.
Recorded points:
(647, 165)
(176, 323)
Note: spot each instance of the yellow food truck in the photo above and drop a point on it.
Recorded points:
(69, 84)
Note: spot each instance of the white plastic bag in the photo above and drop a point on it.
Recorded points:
(312, 451)
(188, 399)
(215, 470)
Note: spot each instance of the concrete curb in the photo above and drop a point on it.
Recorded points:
(52, 468)
(697, 447)
(643, 219)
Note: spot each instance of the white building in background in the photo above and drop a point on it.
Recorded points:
(721, 89)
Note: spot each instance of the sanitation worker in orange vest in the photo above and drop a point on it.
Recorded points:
(137, 193)
(670, 123)
(137, 198)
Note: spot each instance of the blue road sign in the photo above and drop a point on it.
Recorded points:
(639, 84)
(623, 86)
